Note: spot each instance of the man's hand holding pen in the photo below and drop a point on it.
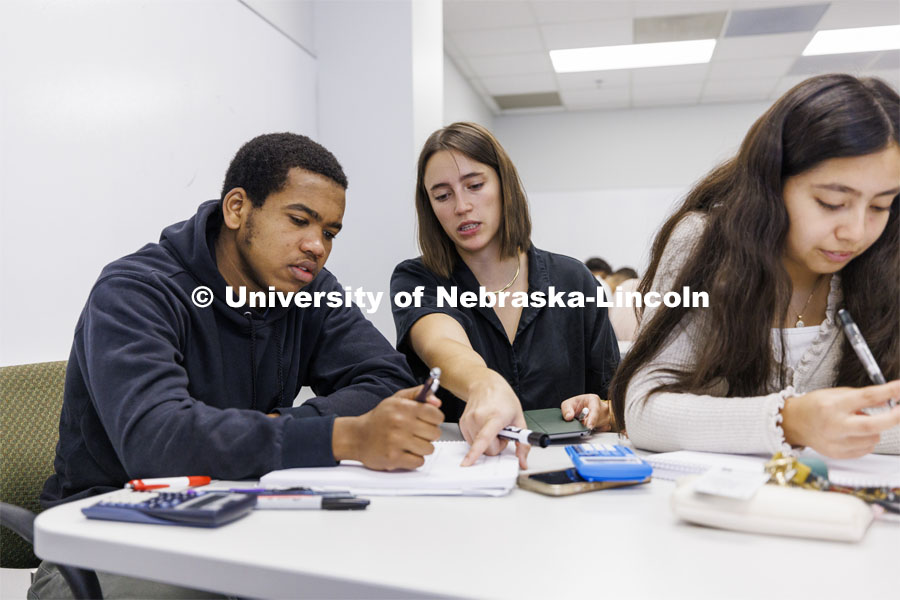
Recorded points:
(396, 434)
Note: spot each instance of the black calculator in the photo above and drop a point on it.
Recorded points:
(197, 509)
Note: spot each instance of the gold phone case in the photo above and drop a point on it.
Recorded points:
(566, 489)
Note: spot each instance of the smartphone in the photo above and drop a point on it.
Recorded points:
(567, 482)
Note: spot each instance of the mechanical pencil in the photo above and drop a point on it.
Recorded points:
(431, 384)
(862, 351)
(142, 485)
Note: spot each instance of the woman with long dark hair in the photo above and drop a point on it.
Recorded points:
(475, 236)
(802, 222)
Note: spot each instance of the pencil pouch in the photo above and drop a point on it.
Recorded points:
(776, 510)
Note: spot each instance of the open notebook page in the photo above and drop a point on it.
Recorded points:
(440, 475)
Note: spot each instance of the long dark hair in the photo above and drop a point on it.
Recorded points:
(738, 262)
(438, 252)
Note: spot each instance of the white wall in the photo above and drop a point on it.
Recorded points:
(461, 103)
(118, 119)
(374, 112)
(600, 183)
(616, 225)
(623, 149)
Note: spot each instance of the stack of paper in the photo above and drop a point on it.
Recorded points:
(873, 470)
(441, 475)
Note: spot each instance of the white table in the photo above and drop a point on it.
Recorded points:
(622, 543)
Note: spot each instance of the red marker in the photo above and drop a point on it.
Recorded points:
(142, 485)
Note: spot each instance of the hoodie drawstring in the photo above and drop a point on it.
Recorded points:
(280, 363)
(249, 316)
(278, 349)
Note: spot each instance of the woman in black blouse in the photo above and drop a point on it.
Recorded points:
(474, 232)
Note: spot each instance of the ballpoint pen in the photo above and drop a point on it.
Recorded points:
(142, 485)
(431, 384)
(862, 351)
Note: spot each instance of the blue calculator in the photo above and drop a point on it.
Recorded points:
(606, 462)
(197, 509)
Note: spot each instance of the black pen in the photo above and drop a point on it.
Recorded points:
(431, 384)
(862, 351)
(525, 436)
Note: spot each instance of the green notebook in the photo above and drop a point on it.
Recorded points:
(551, 422)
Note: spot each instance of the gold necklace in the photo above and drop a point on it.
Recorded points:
(513, 280)
(800, 322)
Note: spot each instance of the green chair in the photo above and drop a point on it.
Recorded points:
(30, 403)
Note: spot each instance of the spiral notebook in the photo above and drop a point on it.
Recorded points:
(441, 475)
(873, 470)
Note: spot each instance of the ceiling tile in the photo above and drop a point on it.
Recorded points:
(589, 80)
(677, 28)
(519, 84)
(761, 46)
(775, 20)
(860, 13)
(575, 11)
(498, 41)
(754, 69)
(833, 63)
(466, 15)
(665, 75)
(607, 98)
(587, 34)
(511, 64)
(738, 90)
(666, 94)
(675, 7)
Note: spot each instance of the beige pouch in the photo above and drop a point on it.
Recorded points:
(777, 510)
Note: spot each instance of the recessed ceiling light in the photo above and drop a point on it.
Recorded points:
(858, 39)
(632, 56)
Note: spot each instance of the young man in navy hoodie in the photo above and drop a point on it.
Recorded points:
(158, 386)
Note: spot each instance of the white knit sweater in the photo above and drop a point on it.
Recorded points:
(666, 421)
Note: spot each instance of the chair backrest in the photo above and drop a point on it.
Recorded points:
(30, 402)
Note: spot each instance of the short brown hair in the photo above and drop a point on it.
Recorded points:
(477, 143)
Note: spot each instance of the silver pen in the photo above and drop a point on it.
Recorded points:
(862, 351)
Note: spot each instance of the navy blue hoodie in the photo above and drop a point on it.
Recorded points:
(156, 386)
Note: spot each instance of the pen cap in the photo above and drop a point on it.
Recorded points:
(846, 320)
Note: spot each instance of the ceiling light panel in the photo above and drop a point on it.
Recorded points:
(632, 56)
(833, 63)
(857, 39)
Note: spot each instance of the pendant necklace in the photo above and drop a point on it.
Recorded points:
(800, 322)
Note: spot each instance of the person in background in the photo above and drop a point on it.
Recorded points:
(475, 231)
(620, 275)
(600, 269)
(802, 222)
(624, 318)
(160, 384)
